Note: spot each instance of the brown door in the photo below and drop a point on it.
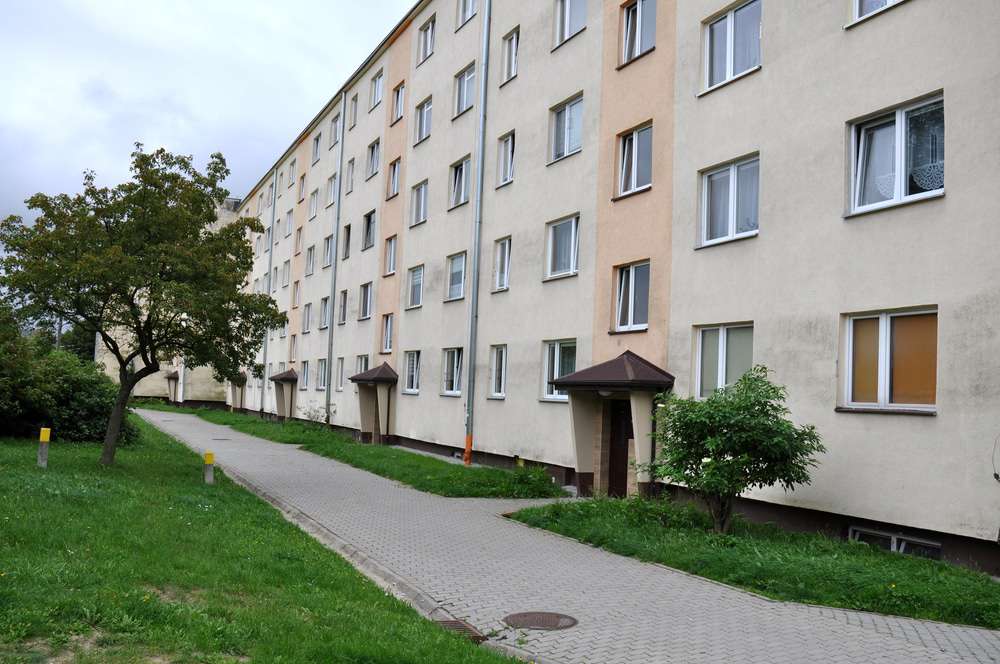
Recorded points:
(621, 432)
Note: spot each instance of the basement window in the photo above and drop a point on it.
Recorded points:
(896, 543)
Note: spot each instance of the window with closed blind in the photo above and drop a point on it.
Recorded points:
(892, 360)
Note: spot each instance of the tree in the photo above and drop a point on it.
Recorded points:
(143, 266)
(78, 340)
(737, 439)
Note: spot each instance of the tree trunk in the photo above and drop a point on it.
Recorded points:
(721, 509)
(115, 423)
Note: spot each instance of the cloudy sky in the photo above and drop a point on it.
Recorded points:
(83, 80)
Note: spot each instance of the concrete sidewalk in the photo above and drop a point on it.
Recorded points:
(458, 557)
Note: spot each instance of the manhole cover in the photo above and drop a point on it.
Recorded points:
(540, 620)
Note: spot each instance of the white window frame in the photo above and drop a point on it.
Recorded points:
(324, 313)
(398, 102)
(459, 186)
(563, 13)
(451, 358)
(498, 371)
(628, 272)
(374, 157)
(505, 157)
(411, 379)
(365, 301)
(306, 317)
(419, 203)
(304, 378)
(331, 190)
(346, 249)
(296, 294)
(448, 297)
(466, 11)
(288, 223)
(389, 256)
(501, 264)
(286, 274)
(316, 147)
(425, 39)
(340, 375)
(410, 304)
(465, 89)
(354, 111)
(328, 251)
(550, 247)
(387, 333)
(898, 116)
(369, 230)
(342, 308)
(721, 377)
(565, 107)
(313, 204)
(632, 185)
(349, 187)
(510, 52)
(392, 188)
(298, 241)
(733, 168)
(857, 8)
(377, 90)
(293, 348)
(321, 371)
(884, 362)
(425, 116)
(335, 130)
(291, 173)
(302, 187)
(636, 25)
(310, 259)
(362, 363)
(551, 361)
(730, 18)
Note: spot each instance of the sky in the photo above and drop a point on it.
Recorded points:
(85, 80)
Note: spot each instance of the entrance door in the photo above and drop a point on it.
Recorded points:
(621, 432)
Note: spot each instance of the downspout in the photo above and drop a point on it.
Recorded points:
(270, 264)
(334, 258)
(477, 231)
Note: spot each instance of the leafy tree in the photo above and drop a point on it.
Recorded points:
(78, 340)
(143, 266)
(737, 439)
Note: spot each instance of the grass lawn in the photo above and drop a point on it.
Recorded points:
(419, 471)
(800, 567)
(143, 562)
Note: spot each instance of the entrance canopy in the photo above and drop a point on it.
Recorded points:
(289, 376)
(628, 372)
(380, 375)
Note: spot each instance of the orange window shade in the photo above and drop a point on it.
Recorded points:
(864, 361)
(914, 359)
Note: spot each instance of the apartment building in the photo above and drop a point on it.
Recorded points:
(516, 223)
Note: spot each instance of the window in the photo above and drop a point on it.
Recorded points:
(465, 84)
(633, 297)
(460, 182)
(316, 143)
(296, 294)
(373, 159)
(425, 40)
(411, 384)
(331, 190)
(865, 7)
(466, 10)
(892, 360)
(456, 277)
(899, 156)
(286, 274)
(393, 183)
(501, 264)
(288, 223)
(321, 371)
(639, 29)
(361, 363)
(424, 119)
(350, 176)
(368, 235)
(725, 353)
(560, 360)
(390, 256)
(733, 44)
(293, 349)
(416, 287)
(387, 333)
(327, 250)
(342, 309)
(340, 374)
(291, 172)
(729, 201)
(375, 95)
(346, 251)
(306, 317)
(563, 247)
(304, 377)
(451, 372)
(274, 281)
(571, 18)
(298, 240)
(498, 371)
(636, 169)
(505, 155)
(302, 187)
(270, 194)
(398, 102)
(313, 204)
(324, 313)
(310, 260)
(283, 332)
(419, 204)
(335, 130)
(510, 43)
(566, 129)
(353, 117)
(896, 543)
(365, 301)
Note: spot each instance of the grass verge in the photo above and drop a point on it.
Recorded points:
(144, 562)
(801, 567)
(419, 471)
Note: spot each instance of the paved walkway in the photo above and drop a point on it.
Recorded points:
(464, 558)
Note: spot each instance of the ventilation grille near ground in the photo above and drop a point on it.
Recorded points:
(463, 628)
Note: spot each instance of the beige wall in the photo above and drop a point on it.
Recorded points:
(809, 265)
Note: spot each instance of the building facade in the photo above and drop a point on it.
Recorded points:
(572, 205)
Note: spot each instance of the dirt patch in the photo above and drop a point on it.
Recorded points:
(172, 595)
(78, 644)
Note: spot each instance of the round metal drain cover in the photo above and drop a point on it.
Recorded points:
(540, 620)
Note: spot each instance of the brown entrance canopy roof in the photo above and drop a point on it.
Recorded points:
(628, 371)
(380, 374)
(286, 377)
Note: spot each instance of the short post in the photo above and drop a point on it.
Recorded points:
(43, 448)
(209, 468)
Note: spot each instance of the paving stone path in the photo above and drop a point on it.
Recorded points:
(461, 557)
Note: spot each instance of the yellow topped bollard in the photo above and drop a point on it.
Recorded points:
(209, 468)
(43, 448)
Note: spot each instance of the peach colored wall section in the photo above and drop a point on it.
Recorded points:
(635, 227)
